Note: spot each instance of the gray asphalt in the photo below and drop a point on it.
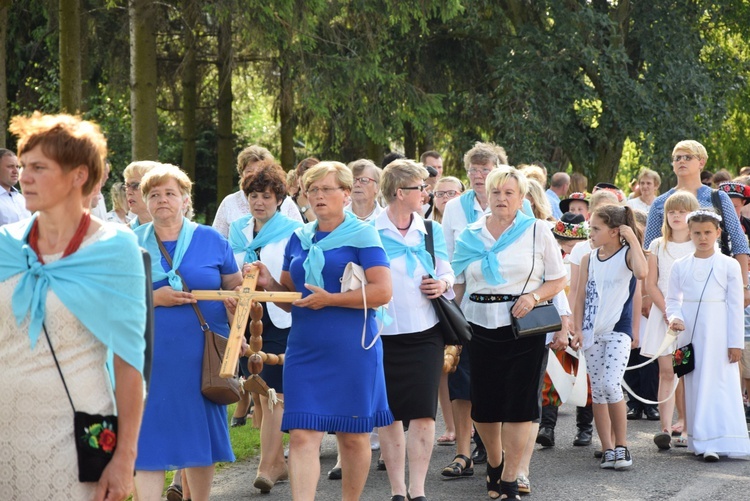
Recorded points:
(563, 472)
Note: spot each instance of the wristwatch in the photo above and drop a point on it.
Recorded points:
(536, 297)
(747, 287)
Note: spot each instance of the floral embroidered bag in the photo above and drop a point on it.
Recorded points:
(683, 358)
(95, 435)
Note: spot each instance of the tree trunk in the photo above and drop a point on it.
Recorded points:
(143, 80)
(608, 151)
(70, 55)
(189, 90)
(224, 185)
(410, 141)
(286, 114)
(4, 6)
(85, 63)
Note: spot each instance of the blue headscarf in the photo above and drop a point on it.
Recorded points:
(276, 228)
(396, 248)
(352, 233)
(470, 248)
(147, 239)
(102, 284)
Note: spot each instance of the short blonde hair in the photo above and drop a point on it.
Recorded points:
(534, 172)
(163, 173)
(652, 174)
(250, 154)
(602, 197)
(138, 168)
(694, 147)
(485, 153)
(399, 172)
(344, 176)
(502, 175)
(540, 203)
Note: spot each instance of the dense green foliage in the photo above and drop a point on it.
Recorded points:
(598, 86)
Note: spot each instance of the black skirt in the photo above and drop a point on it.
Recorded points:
(413, 364)
(505, 375)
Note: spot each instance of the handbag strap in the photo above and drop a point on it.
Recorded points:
(533, 260)
(429, 242)
(724, 237)
(700, 301)
(59, 370)
(204, 324)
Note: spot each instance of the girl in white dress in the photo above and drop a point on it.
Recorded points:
(603, 321)
(714, 417)
(664, 251)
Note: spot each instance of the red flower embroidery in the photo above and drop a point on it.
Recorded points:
(107, 440)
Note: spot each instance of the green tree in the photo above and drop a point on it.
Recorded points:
(70, 55)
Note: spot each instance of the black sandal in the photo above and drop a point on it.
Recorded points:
(493, 480)
(509, 489)
(456, 469)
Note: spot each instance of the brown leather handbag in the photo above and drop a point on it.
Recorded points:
(222, 391)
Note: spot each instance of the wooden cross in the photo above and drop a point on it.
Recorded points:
(247, 299)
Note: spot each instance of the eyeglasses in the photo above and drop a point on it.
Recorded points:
(421, 187)
(687, 158)
(364, 181)
(475, 170)
(326, 190)
(132, 186)
(443, 194)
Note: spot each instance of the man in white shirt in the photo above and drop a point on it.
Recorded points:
(558, 188)
(12, 203)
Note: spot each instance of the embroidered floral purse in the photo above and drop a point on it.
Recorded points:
(95, 435)
(683, 358)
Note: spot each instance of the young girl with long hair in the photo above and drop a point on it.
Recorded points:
(664, 251)
(705, 304)
(603, 321)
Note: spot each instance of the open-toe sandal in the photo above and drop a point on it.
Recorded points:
(509, 490)
(493, 480)
(456, 469)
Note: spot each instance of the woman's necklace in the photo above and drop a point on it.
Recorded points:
(411, 218)
(367, 216)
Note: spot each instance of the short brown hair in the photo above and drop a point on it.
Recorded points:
(267, 174)
(305, 165)
(66, 139)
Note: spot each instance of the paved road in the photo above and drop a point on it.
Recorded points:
(561, 473)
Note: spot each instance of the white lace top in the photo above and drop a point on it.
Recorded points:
(38, 459)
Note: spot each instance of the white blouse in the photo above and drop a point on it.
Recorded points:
(411, 310)
(235, 206)
(272, 255)
(371, 217)
(515, 266)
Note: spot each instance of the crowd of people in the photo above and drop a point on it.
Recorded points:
(640, 283)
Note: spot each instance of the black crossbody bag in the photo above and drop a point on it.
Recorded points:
(683, 358)
(543, 318)
(95, 435)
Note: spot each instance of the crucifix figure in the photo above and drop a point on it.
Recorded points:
(248, 306)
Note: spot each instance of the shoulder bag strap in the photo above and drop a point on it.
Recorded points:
(204, 324)
(429, 241)
(533, 260)
(58, 366)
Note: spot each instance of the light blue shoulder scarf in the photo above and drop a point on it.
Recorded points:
(396, 248)
(277, 228)
(102, 284)
(147, 239)
(352, 233)
(470, 248)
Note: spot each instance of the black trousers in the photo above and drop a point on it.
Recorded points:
(643, 381)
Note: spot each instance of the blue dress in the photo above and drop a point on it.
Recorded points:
(181, 428)
(330, 382)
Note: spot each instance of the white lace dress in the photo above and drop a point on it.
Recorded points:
(37, 452)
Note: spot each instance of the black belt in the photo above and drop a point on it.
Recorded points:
(492, 298)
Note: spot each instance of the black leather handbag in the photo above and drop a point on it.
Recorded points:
(543, 318)
(451, 320)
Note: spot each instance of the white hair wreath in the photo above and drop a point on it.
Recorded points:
(702, 212)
